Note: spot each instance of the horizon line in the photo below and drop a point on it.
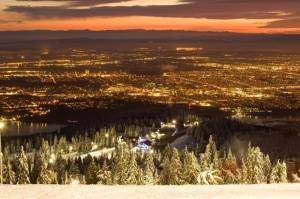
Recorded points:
(154, 30)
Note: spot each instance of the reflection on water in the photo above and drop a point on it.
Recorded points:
(17, 128)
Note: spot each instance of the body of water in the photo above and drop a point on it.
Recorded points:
(16, 128)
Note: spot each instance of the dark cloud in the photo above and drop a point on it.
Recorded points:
(211, 9)
(9, 21)
(78, 3)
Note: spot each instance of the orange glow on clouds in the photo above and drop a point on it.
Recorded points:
(137, 22)
(18, 20)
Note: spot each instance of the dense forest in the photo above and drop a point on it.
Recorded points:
(126, 166)
(108, 154)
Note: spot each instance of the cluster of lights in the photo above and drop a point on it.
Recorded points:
(171, 124)
(157, 135)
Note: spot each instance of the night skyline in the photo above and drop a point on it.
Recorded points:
(123, 98)
(197, 15)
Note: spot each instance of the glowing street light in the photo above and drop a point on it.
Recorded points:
(2, 125)
(52, 155)
(52, 158)
(51, 161)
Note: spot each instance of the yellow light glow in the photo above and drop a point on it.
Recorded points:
(74, 182)
(2, 125)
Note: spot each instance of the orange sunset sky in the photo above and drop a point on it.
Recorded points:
(267, 16)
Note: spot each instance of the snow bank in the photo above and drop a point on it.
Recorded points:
(290, 191)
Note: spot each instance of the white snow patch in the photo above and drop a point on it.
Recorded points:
(182, 141)
(290, 191)
(98, 153)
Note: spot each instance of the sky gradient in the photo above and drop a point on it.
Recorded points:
(266, 16)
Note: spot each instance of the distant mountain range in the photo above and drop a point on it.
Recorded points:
(9, 36)
(132, 39)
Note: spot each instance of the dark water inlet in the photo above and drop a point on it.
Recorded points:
(17, 128)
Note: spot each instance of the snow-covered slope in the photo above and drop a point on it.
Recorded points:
(286, 191)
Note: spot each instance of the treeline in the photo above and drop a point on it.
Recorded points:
(222, 129)
(84, 138)
(82, 132)
(271, 140)
(81, 143)
(129, 167)
(127, 127)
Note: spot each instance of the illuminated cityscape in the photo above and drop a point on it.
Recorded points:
(239, 83)
(99, 98)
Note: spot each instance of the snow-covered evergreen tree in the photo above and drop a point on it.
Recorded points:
(267, 168)
(229, 169)
(149, 169)
(37, 166)
(91, 173)
(46, 176)
(167, 153)
(140, 177)
(120, 164)
(22, 170)
(295, 177)
(172, 168)
(279, 173)
(73, 172)
(209, 177)
(190, 168)
(60, 168)
(45, 148)
(8, 174)
(230, 156)
(255, 166)
(104, 175)
(132, 170)
(209, 164)
(209, 160)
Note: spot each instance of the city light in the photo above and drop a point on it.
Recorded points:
(2, 125)
(74, 107)
(221, 88)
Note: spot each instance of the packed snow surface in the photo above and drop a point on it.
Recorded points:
(285, 191)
